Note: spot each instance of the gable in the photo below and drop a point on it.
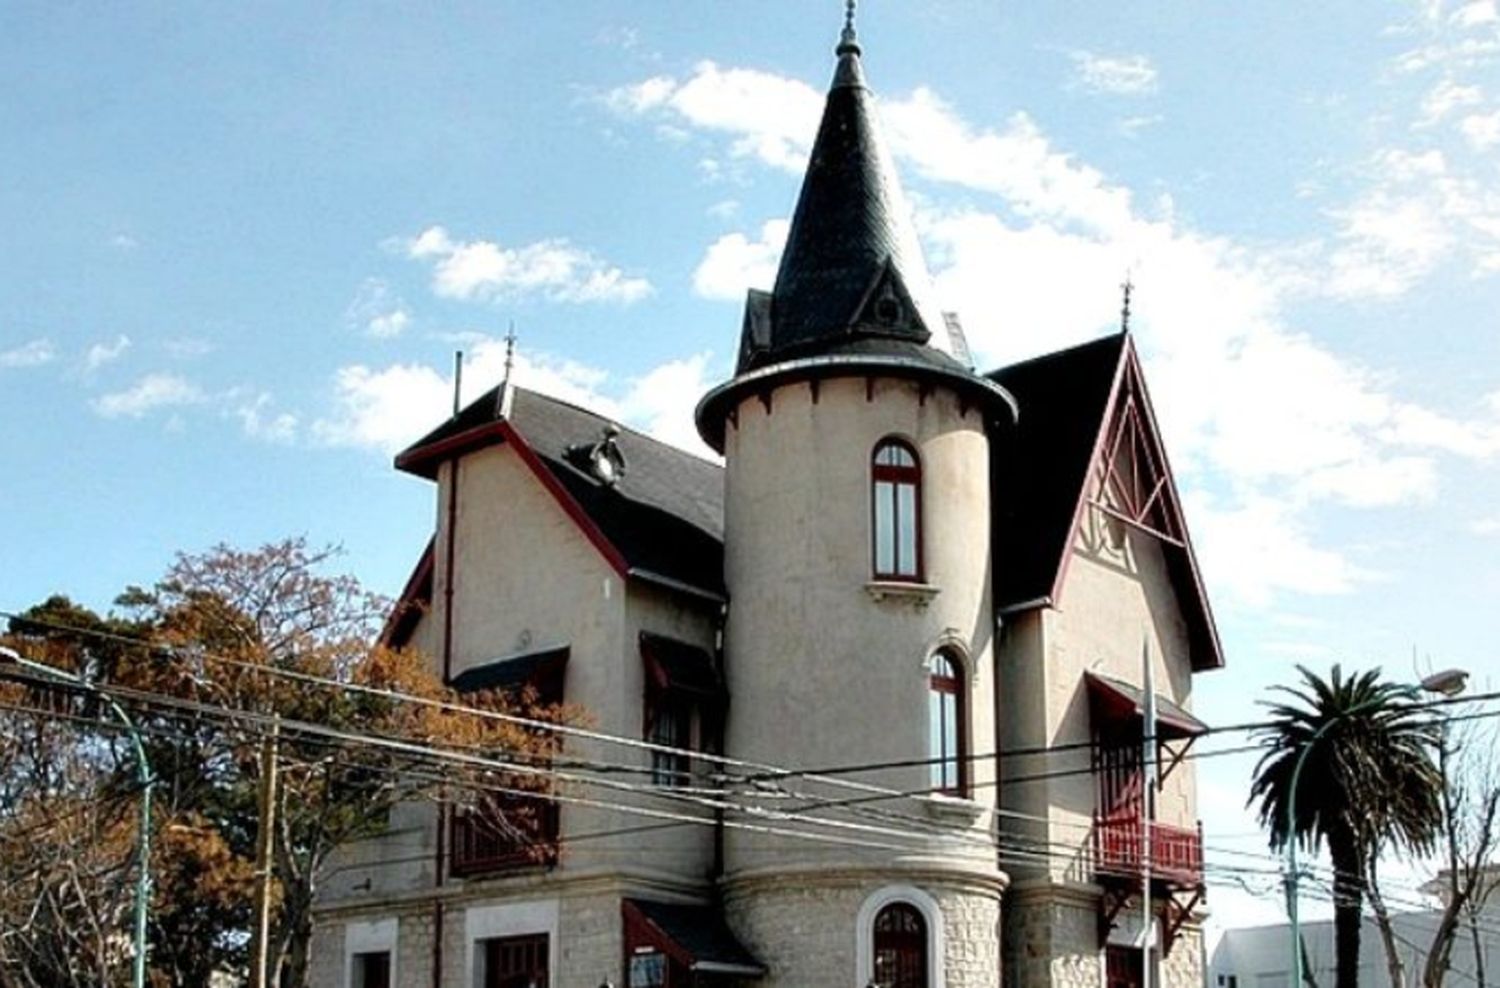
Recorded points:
(662, 520)
(1087, 444)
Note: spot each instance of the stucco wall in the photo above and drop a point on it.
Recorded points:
(821, 673)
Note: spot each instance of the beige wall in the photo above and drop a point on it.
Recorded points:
(527, 578)
(821, 672)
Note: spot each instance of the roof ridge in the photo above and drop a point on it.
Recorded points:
(1120, 335)
(624, 427)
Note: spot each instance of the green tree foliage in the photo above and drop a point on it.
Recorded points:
(192, 659)
(1369, 781)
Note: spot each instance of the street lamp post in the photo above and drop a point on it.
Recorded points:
(1448, 683)
(9, 656)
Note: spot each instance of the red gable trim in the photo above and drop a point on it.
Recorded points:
(415, 597)
(425, 460)
(1083, 489)
(1200, 594)
(566, 501)
(1130, 369)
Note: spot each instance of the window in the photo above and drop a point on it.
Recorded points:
(372, 970)
(504, 831)
(900, 945)
(945, 725)
(515, 962)
(683, 704)
(896, 508)
(670, 721)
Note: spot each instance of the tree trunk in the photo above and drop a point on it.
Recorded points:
(1387, 934)
(1348, 902)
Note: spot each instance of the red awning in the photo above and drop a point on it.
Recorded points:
(680, 667)
(1115, 701)
(696, 937)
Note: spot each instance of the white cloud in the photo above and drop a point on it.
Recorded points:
(769, 117)
(388, 408)
(1258, 549)
(735, 262)
(1446, 97)
(1475, 14)
(1417, 211)
(150, 393)
(1273, 421)
(1132, 126)
(260, 421)
(31, 354)
(124, 241)
(101, 354)
(377, 310)
(1119, 75)
(1487, 527)
(1481, 129)
(187, 348)
(552, 269)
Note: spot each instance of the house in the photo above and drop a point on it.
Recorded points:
(1260, 956)
(868, 701)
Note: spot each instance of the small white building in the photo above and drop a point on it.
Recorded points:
(1260, 956)
(943, 578)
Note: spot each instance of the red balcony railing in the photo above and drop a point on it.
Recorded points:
(1176, 852)
(504, 833)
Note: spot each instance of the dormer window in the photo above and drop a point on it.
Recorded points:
(896, 511)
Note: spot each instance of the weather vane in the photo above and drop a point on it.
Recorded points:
(1126, 289)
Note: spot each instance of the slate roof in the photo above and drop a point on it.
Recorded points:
(1064, 397)
(666, 513)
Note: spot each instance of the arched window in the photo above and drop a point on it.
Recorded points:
(900, 944)
(945, 725)
(896, 507)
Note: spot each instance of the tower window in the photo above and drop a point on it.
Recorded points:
(900, 947)
(945, 725)
(896, 505)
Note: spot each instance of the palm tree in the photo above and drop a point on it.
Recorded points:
(1369, 779)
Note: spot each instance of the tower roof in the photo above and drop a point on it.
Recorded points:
(853, 293)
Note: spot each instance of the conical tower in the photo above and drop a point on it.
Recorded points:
(856, 439)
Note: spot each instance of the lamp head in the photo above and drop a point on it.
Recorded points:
(1449, 682)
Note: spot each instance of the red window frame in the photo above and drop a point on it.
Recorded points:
(898, 476)
(940, 685)
(481, 845)
(900, 946)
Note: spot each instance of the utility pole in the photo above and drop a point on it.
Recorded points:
(264, 845)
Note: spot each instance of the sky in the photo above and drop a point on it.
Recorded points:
(241, 244)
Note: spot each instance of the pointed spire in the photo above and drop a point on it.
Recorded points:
(852, 268)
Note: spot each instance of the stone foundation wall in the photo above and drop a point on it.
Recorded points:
(1052, 941)
(805, 929)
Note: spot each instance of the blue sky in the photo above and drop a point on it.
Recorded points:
(242, 242)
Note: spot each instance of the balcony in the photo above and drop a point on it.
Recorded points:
(504, 833)
(1176, 852)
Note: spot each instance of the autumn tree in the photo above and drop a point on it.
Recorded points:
(207, 659)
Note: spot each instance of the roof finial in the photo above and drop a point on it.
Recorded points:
(848, 40)
(1126, 289)
(506, 393)
(510, 350)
